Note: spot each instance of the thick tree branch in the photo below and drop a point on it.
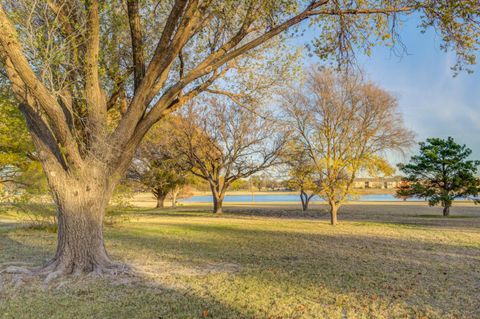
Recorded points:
(96, 104)
(43, 138)
(188, 16)
(137, 41)
(12, 49)
(48, 151)
(222, 56)
(340, 12)
(216, 60)
(170, 103)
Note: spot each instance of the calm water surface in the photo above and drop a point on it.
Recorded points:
(279, 198)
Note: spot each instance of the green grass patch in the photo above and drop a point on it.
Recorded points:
(195, 265)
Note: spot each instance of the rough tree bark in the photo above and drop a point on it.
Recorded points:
(81, 201)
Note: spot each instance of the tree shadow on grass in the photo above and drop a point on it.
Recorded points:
(275, 266)
(211, 238)
(413, 274)
(14, 251)
(107, 298)
(463, 217)
(86, 297)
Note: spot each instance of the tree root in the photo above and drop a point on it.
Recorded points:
(14, 263)
(55, 269)
(16, 270)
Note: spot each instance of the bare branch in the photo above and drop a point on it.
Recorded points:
(340, 12)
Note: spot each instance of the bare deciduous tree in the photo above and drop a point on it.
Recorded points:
(345, 124)
(223, 142)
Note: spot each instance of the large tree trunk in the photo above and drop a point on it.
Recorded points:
(160, 195)
(80, 236)
(81, 204)
(333, 213)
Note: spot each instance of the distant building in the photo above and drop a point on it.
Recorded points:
(377, 182)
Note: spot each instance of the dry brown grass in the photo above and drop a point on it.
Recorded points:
(397, 261)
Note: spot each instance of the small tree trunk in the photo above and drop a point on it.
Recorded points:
(161, 201)
(306, 203)
(217, 205)
(304, 198)
(446, 211)
(305, 206)
(174, 198)
(333, 214)
(218, 194)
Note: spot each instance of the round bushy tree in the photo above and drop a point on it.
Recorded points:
(441, 173)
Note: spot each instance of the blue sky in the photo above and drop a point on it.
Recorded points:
(433, 102)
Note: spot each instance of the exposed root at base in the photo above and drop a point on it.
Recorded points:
(56, 269)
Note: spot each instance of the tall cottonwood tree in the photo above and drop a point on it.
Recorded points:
(344, 125)
(91, 77)
(222, 142)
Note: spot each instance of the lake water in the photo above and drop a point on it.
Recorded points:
(279, 198)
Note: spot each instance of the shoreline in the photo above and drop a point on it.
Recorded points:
(146, 200)
(372, 191)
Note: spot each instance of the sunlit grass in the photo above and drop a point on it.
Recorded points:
(192, 264)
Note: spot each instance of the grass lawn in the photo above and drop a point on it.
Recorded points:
(382, 261)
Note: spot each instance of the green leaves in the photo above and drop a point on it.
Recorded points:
(441, 172)
(156, 165)
(15, 143)
(350, 27)
(18, 163)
